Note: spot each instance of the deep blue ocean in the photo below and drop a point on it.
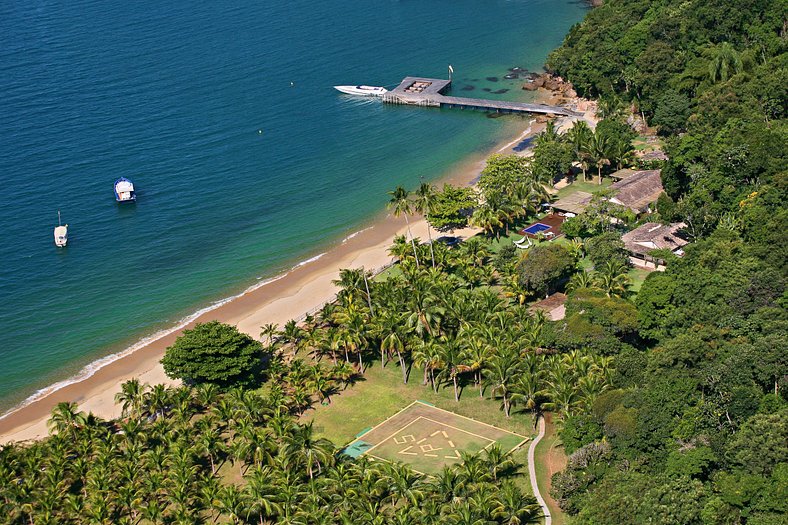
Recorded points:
(245, 159)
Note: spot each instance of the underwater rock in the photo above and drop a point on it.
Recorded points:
(468, 88)
(492, 79)
(500, 91)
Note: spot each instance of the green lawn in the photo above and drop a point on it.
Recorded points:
(637, 275)
(429, 438)
(381, 393)
(589, 187)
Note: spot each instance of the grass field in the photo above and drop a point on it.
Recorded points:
(428, 438)
(590, 186)
(381, 393)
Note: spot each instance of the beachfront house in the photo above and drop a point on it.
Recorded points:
(643, 240)
(633, 189)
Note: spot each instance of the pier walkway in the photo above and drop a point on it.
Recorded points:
(417, 91)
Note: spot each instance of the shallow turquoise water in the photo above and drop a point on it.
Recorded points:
(240, 174)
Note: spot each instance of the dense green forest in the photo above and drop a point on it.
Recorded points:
(696, 430)
(670, 396)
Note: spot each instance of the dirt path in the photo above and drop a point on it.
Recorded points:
(553, 459)
(532, 473)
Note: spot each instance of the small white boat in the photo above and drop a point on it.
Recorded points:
(365, 91)
(124, 190)
(61, 232)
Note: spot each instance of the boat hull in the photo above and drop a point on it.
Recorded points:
(124, 190)
(61, 236)
(362, 91)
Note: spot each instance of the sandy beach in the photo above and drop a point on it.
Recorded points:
(303, 289)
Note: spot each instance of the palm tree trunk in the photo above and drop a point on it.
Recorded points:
(456, 393)
(360, 362)
(599, 173)
(429, 236)
(505, 404)
(402, 366)
(412, 242)
(481, 389)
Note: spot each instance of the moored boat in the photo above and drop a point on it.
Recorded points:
(124, 190)
(61, 232)
(365, 91)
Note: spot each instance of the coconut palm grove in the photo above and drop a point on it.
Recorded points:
(666, 390)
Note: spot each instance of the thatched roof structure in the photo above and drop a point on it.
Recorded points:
(654, 236)
(638, 190)
(574, 203)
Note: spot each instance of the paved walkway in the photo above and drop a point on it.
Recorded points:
(548, 520)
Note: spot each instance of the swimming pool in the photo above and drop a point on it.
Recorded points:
(536, 228)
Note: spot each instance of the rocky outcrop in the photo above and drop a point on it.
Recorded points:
(551, 83)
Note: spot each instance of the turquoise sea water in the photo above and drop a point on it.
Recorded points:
(240, 174)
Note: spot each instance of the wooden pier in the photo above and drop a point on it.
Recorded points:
(417, 91)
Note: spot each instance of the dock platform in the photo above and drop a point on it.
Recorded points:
(419, 91)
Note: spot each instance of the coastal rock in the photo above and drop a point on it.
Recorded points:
(516, 69)
(511, 76)
(556, 84)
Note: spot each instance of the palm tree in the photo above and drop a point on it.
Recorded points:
(622, 152)
(500, 376)
(400, 204)
(323, 387)
(514, 507)
(234, 502)
(131, 396)
(497, 460)
(600, 146)
(263, 495)
(580, 280)
(451, 356)
(476, 354)
(425, 201)
(488, 219)
(612, 280)
(313, 452)
(528, 391)
(269, 330)
(393, 342)
(67, 417)
(344, 372)
(580, 137)
(725, 63)
(427, 357)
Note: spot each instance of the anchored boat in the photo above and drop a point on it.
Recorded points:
(124, 190)
(364, 91)
(61, 232)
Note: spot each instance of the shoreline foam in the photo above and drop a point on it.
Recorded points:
(28, 419)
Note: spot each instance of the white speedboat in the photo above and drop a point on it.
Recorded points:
(124, 190)
(61, 232)
(365, 91)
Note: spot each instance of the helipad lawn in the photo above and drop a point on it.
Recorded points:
(428, 438)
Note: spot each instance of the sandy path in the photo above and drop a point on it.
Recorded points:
(548, 520)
